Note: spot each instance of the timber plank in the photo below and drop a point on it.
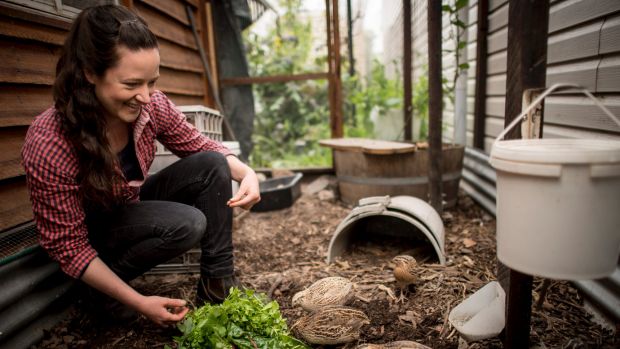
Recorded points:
(15, 204)
(179, 57)
(21, 103)
(174, 9)
(24, 62)
(368, 146)
(11, 141)
(179, 82)
(27, 30)
(178, 99)
(163, 27)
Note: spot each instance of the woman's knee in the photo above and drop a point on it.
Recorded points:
(190, 228)
(211, 161)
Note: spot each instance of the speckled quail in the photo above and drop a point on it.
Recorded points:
(333, 290)
(404, 273)
(331, 325)
(394, 345)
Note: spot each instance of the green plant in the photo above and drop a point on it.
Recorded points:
(420, 103)
(456, 25)
(245, 320)
(377, 92)
(290, 117)
(420, 88)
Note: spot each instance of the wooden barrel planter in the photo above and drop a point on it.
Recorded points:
(366, 167)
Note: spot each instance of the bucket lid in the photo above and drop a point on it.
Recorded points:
(558, 151)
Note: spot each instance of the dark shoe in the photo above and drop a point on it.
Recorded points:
(215, 290)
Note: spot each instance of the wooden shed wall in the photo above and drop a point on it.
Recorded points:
(29, 48)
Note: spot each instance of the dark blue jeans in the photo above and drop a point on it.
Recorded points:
(180, 206)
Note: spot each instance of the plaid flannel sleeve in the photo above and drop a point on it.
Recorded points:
(51, 170)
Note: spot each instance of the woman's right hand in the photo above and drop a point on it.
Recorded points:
(163, 311)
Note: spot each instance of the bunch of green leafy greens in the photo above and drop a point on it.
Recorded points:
(246, 319)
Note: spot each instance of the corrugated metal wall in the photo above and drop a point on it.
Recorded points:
(29, 48)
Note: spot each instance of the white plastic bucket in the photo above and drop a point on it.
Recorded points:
(557, 203)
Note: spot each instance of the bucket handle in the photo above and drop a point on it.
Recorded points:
(547, 92)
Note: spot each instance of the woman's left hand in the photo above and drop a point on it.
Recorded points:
(249, 193)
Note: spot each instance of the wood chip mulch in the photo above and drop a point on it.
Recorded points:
(282, 252)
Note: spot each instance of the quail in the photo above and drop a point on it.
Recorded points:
(333, 290)
(404, 273)
(394, 345)
(331, 325)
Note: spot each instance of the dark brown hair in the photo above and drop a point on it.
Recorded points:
(91, 46)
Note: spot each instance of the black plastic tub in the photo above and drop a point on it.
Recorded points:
(278, 193)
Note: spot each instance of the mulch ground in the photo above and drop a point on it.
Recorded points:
(281, 252)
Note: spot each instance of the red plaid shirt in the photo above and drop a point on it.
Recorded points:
(51, 170)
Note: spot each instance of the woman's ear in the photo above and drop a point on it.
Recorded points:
(90, 77)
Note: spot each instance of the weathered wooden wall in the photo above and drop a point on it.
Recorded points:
(29, 48)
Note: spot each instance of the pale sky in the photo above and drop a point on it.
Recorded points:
(372, 18)
(372, 23)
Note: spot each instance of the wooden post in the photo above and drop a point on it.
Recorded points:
(481, 74)
(351, 111)
(337, 127)
(434, 103)
(330, 68)
(350, 38)
(527, 58)
(407, 79)
(208, 39)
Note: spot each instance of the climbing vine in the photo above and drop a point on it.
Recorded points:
(457, 26)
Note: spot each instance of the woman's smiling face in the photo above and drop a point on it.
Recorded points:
(126, 87)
